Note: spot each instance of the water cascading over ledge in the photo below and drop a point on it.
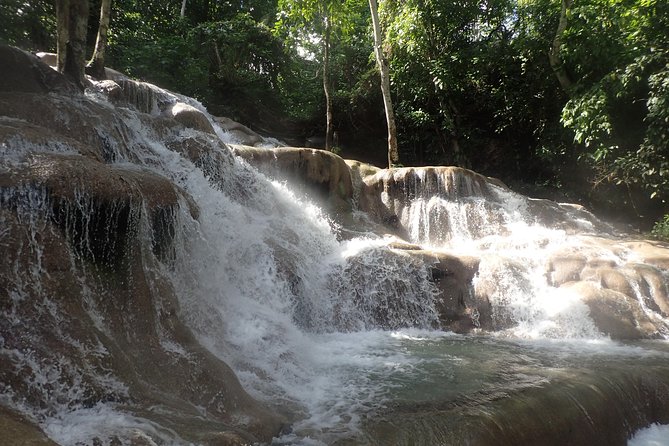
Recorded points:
(147, 264)
(543, 269)
(138, 245)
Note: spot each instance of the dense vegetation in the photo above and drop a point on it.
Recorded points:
(569, 94)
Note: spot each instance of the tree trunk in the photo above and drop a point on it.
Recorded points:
(182, 14)
(72, 18)
(96, 65)
(554, 54)
(393, 154)
(329, 129)
(62, 30)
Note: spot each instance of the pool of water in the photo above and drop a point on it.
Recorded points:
(424, 387)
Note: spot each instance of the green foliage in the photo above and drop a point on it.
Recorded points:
(473, 83)
(29, 25)
(661, 229)
(620, 112)
(221, 55)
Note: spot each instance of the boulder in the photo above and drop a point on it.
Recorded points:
(100, 201)
(614, 314)
(565, 268)
(238, 133)
(111, 89)
(460, 309)
(623, 283)
(23, 72)
(51, 59)
(191, 118)
(322, 175)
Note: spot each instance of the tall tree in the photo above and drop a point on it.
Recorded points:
(322, 21)
(96, 65)
(327, 84)
(72, 23)
(382, 63)
(554, 56)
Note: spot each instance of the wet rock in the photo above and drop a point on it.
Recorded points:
(98, 201)
(110, 89)
(50, 59)
(651, 252)
(388, 196)
(617, 279)
(569, 217)
(239, 133)
(144, 97)
(565, 268)
(614, 313)
(460, 309)
(95, 127)
(403, 297)
(191, 117)
(322, 175)
(18, 431)
(84, 298)
(360, 171)
(23, 72)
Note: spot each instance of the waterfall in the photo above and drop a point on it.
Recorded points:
(259, 276)
(539, 260)
(266, 286)
(158, 289)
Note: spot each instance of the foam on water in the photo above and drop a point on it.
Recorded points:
(653, 435)
(514, 241)
(312, 326)
(109, 425)
(267, 287)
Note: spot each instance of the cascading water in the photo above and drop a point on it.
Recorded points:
(516, 239)
(122, 264)
(260, 277)
(268, 288)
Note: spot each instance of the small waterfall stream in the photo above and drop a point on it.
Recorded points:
(520, 243)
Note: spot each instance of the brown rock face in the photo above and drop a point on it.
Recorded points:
(323, 175)
(191, 117)
(23, 72)
(624, 284)
(460, 309)
(84, 298)
(239, 133)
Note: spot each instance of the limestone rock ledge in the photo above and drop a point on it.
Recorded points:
(84, 239)
(322, 175)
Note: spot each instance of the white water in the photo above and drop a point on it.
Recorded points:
(298, 315)
(653, 435)
(266, 287)
(458, 213)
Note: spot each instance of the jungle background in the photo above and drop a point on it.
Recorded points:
(563, 99)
